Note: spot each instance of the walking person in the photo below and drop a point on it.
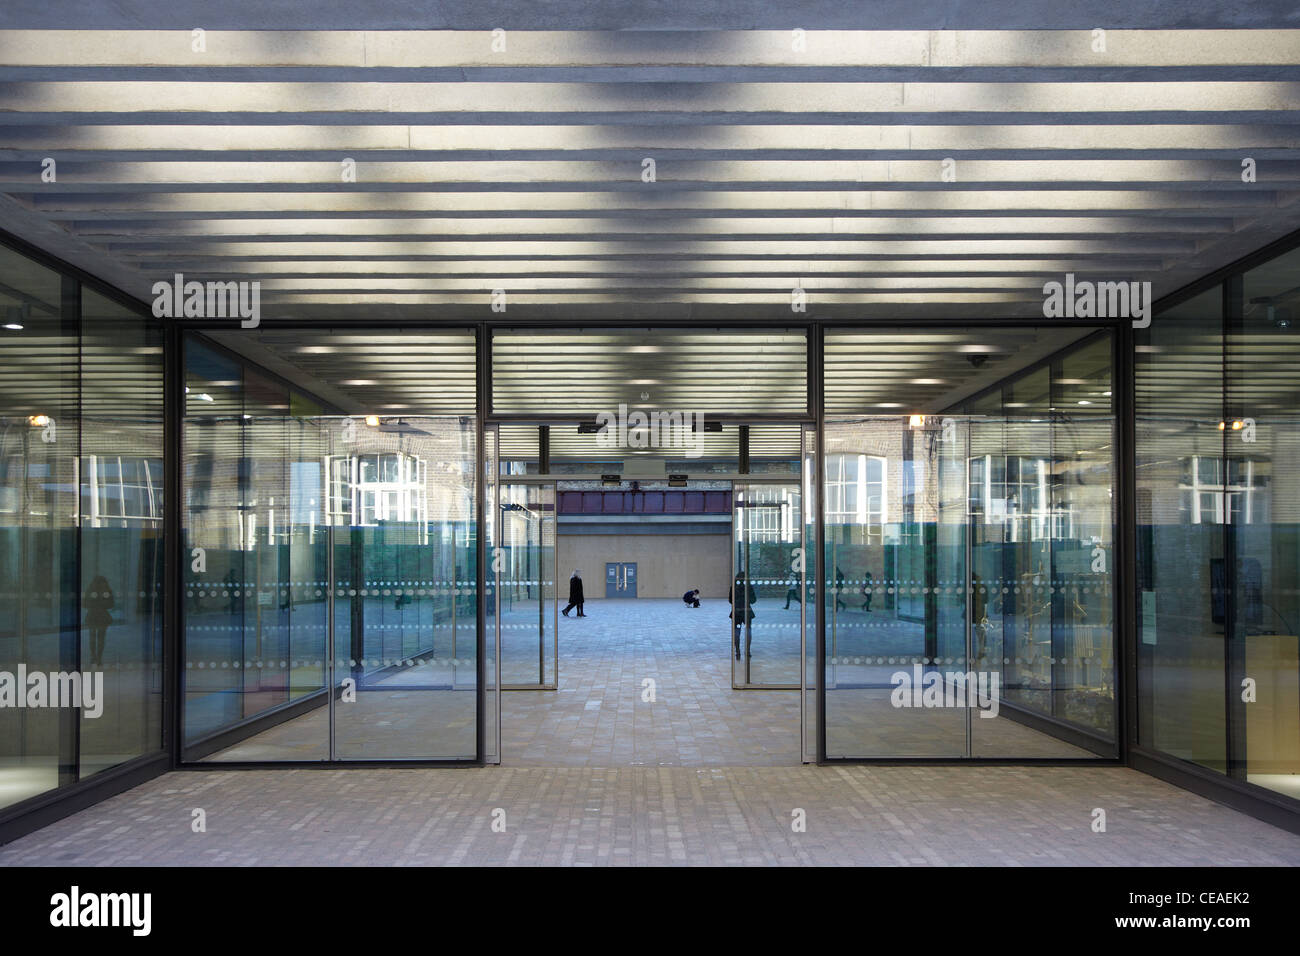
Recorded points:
(575, 594)
(868, 591)
(743, 592)
(98, 600)
(793, 593)
(839, 590)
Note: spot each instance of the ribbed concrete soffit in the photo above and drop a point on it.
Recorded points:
(603, 175)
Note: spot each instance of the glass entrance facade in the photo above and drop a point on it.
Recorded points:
(309, 545)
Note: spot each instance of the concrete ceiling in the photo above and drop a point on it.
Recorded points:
(813, 162)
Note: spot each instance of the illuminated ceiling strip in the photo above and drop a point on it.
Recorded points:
(521, 48)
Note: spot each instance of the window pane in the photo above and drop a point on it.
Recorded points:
(1180, 551)
(1263, 454)
(122, 532)
(38, 535)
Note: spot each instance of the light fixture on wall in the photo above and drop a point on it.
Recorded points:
(916, 421)
(372, 421)
(38, 421)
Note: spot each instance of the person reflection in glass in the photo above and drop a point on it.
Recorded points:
(98, 601)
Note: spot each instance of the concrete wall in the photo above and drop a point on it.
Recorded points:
(667, 564)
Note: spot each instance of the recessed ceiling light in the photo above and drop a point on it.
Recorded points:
(1084, 401)
(928, 381)
(13, 325)
(358, 381)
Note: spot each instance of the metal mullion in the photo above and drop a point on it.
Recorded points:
(818, 352)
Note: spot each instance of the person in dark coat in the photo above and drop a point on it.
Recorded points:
(692, 597)
(575, 595)
(98, 601)
(747, 596)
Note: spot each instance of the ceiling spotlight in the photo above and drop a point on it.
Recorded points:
(372, 421)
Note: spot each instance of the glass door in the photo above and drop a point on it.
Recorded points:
(768, 586)
(399, 510)
(895, 578)
(526, 607)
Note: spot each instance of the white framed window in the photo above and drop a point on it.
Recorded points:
(857, 493)
(1207, 499)
(365, 490)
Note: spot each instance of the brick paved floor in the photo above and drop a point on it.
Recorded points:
(598, 718)
(935, 816)
(704, 775)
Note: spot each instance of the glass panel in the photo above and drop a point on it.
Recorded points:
(306, 529)
(405, 610)
(121, 471)
(1180, 543)
(1011, 569)
(1262, 512)
(257, 589)
(885, 632)
(1081, 532)
(766, 571)
(968, 553)
(809, 603)
(491, 636)
(527, 587)
(585, 372)
(40, 621)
